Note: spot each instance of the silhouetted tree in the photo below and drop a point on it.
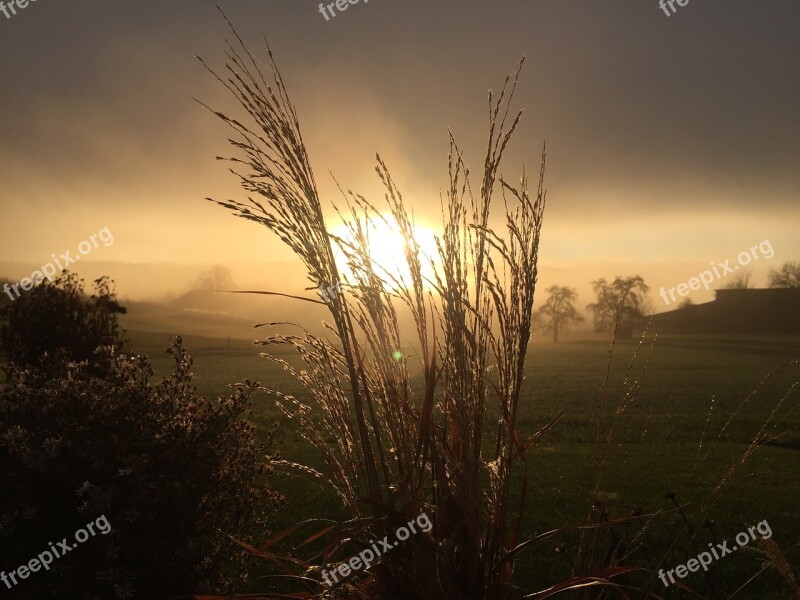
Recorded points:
(788, 276)
(558, 313)
(217, 277)
(740, 281)
(620, 301)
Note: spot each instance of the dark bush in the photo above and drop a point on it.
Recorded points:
(57, 317)
(168, 468)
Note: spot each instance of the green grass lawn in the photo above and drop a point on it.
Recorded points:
(655, 446)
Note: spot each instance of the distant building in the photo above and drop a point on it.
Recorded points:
(764, 311)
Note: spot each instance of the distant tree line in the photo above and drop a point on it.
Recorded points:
(621, 303)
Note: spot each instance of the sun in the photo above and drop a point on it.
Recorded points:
(387, 250)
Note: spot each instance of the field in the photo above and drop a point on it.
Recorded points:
(655, 447)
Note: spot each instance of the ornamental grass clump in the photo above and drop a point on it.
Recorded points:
(451, 445)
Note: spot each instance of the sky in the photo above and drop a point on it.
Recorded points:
(672, 141)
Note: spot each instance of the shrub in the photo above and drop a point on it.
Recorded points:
(57, 317)
(167, 467)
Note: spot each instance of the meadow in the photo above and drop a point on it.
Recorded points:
(655, 447)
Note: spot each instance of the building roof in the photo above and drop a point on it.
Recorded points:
(748, 311)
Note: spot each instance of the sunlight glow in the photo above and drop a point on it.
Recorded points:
(387, 251)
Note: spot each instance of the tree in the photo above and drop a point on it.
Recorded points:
(558, 313)
(618, 302)
(217, 277)
(740, 281)
(788, 276)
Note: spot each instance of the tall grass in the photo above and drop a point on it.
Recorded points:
(391, 450)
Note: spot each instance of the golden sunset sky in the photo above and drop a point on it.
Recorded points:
(672, 141)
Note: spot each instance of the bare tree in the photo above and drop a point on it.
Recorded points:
(740, 281)
(217, 277)
(619, 301)
(558, 313)
(788, 276)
